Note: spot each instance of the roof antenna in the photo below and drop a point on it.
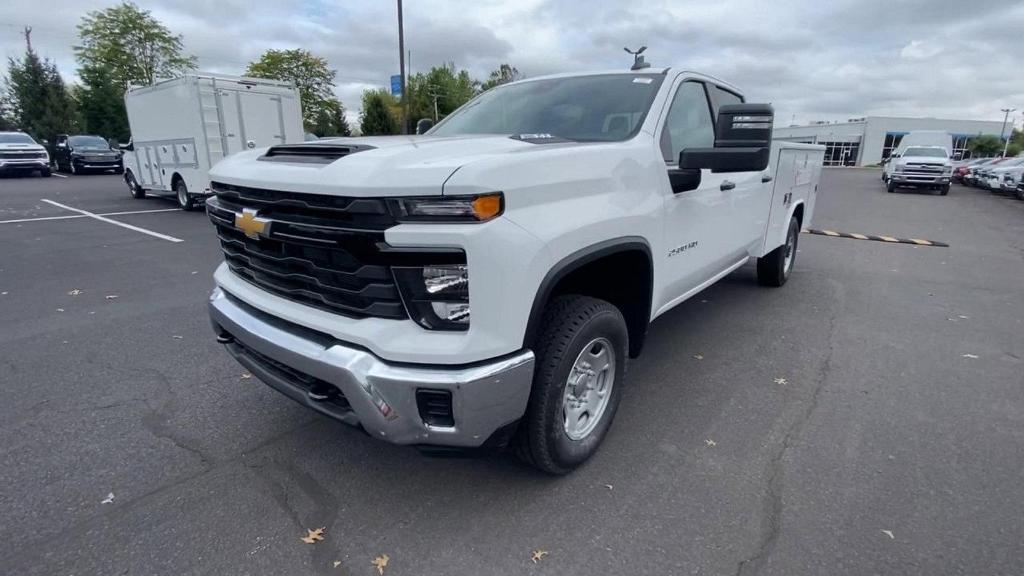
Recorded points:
(638, 61)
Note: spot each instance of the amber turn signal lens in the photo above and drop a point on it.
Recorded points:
(487, 207)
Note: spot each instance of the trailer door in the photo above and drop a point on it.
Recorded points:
(261, 119)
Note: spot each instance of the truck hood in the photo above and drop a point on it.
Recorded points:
(925, 160)
(379, 166)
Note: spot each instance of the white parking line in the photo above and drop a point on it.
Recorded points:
(115, 222)
(57, 175)
(84, 216)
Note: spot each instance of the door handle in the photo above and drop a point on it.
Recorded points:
(766, 178)
(727, 185)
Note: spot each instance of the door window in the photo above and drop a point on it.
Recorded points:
(721, 96)
(689, 123)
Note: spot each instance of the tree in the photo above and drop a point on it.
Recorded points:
(442, 86)
(35, 98)
(503, 75)
(135, 47)
(322, 112)
(101, 103)
(378, 117)
(985, 145)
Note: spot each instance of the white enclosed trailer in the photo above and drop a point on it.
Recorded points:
(182, 127)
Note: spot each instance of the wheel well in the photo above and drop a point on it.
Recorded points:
(619, 274)
(798, 213)
(175, 178)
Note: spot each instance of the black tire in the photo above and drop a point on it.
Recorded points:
(570, 325)
(944, 190)
(1019, 193)
(137, 192)
(891, 186)
(119, 170)
(772, 268)
(186, 201)
(45, 172)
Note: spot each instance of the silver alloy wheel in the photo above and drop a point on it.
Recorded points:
(72, 168)
(790, 250)
(130, 181)
(588, 388)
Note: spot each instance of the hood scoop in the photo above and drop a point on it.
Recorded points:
(311, 153)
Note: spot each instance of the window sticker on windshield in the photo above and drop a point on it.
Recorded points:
(642, 80)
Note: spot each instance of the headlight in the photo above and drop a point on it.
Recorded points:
(479, 208)
(437, 297)
(898, 167)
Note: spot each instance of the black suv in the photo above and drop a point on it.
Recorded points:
(81, 153)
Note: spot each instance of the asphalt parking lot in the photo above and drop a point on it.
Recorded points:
(868, 418)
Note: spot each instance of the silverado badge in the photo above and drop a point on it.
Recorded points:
(251, 224)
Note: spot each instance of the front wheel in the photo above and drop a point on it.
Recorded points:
(185, 200)
(944, 190)
(577, 385)
(773, 268)
(137, 192)
(891, 186)
(45, 172)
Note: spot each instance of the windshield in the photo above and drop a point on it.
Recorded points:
(88, 142)
(15, 138)
(604, 108)
(931, 152)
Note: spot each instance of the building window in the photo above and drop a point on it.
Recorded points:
(841, 153)
(960, 147)
(892, 141)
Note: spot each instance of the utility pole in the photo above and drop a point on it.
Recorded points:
(401, 64)
(1002, 131)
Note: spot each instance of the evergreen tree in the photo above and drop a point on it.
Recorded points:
(35, 99)
(377, 117)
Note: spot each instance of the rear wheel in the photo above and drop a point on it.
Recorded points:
(185, 200)
(577, 385)
(773, 268)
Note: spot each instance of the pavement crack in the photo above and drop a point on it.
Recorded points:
(771, 515)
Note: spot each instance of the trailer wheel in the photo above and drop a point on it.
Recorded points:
(137, 192)
(185, 200)
(581, 360)
(773, 268)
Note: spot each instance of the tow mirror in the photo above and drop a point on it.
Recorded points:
(423, 125)
(743, 140)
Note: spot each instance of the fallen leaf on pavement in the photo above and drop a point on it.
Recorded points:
(781, 381)
(972, 356)
(962, 317)
(537, 555)
(60, 309)
(710, 442)
(608, 486)
(313, 536)
(380, 562)
(246, 376)
(195, 271)
(176, 337)
(889, 534)
(336, 562)
(111, 296)
(698, 356)
(109, 499)
(74, 292)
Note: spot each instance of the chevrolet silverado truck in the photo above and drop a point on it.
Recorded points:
(487, 282)
(20, 154)
(919, 167)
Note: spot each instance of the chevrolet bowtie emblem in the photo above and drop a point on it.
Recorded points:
(251, 224)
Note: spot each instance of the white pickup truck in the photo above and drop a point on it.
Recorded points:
(488, 281)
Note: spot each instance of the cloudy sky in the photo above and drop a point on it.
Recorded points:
(815, 60)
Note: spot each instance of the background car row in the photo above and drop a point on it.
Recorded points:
(73, 153)
(1005, 175)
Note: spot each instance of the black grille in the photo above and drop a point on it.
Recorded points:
(323, 251)
(22, 155)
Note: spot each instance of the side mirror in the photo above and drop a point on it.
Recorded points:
(112, 143)
(45, 142)
(423, 125)
(126, 147)
(743, 141)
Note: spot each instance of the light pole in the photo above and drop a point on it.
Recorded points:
(401, 64)
(1002, 131)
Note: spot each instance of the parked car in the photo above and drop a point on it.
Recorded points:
(987, 179)
(20, 154)
(997, 177)
(920, 167)
(1020, 186)
(82, 153)
(973, 175)
(490, 279)
(960, 168)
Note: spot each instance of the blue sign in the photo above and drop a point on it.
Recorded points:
(396, 85)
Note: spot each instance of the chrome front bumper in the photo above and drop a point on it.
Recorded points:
(379, 396)
(920, 179)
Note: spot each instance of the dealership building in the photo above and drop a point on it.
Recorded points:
(869, 140)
